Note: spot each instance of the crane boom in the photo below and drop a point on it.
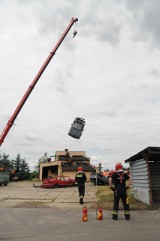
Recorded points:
(34, 82)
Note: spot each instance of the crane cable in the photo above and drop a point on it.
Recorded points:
(75, 29)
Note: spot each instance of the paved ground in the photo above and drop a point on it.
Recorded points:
(23, 194)
(54, 224)
(59, 217)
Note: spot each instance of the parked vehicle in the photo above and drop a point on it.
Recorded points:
(61, 181)
(4, 178)
(99, 179)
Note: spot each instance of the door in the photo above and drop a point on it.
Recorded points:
(154, 169)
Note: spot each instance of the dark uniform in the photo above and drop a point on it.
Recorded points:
(81, 179)
(119, 180)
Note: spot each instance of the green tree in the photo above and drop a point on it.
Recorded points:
(5, 162)
(21, 167)
(100, 167)
(44, 158)
(17, 163)
(24, 172)
(34, 174)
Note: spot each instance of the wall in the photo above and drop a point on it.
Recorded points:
(49, 164)
(72, 174)
(154, 167)
(69, 173)
(140, 181)
(71, 153)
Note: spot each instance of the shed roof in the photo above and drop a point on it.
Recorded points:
(150, 153)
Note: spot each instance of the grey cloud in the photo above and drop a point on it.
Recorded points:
(102, 114)
(119, 105)
(61, 80)
(109, 113)
(136, 4)
(49, 18)
(151, 21)
(146, 15)
(104, 29)
(108, 31)
(33, 153)
(155, 73)
(33, 138)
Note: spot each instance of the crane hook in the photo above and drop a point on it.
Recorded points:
(74, 33)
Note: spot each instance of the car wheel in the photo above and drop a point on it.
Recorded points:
(56, 186)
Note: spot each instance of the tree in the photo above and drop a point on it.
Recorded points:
(24, 172)
(34, 174)
(100, 167)
(5, 162)
(21, 167)
(17, 163)
(44, 158)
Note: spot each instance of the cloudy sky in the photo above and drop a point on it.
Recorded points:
(108, 74)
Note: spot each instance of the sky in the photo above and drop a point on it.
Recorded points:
(108, 74)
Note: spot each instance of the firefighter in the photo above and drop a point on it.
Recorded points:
(81, 179)
(119, 178)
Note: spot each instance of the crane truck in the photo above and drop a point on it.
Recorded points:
(35, 80)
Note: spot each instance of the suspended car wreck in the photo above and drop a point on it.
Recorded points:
(77, 128)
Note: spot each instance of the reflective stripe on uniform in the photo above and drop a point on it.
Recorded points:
(126, 212)
(79, 175)
(115, 212)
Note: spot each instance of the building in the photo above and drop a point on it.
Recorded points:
(66, 164)
(145, 174)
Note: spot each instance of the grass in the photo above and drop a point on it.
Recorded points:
(105, 200)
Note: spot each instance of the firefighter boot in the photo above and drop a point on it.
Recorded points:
(81, 200)
(115, 215)
(127, 215)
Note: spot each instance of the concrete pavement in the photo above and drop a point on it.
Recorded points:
(23, 194)
(57, 224)
(35, 214)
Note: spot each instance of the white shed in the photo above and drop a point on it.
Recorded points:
(145, 175)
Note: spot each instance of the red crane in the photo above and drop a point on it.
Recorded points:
(34, 82)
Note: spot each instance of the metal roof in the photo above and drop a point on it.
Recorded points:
(150, 153)
(74, 158)
(75, 168)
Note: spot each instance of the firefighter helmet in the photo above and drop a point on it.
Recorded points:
(80, 169)
(119, 167)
